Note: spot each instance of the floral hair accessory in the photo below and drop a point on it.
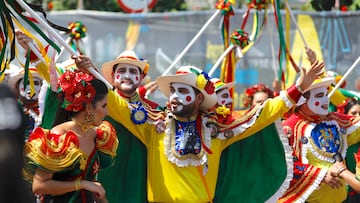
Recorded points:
(203, 81)
(76, 89)
(225, 6)
(249, 93)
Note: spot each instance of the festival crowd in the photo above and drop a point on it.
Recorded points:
(80, 140)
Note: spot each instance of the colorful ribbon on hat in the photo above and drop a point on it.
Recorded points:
(203, 81)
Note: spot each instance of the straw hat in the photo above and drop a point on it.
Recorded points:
(194, 77)
(219, 85)
(321, 82)
(19, 74)
(126, 57)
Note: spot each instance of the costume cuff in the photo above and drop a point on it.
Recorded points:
(294, 93)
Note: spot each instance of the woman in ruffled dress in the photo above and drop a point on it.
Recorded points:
(63, 163)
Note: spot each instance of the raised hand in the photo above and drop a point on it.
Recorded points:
(83, 63)
(307, 77)
(23, 39)
(311, 55)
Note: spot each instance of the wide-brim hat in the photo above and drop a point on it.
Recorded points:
(126, 57)
(194, 77)
(13, 80)
(321, 82)
(219, 85)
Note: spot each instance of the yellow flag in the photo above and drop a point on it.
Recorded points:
(132, 35)
(298, 51)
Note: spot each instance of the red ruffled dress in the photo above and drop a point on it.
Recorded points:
(61, 155)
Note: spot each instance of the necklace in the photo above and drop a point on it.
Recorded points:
(83, 126)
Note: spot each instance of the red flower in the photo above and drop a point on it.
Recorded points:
(74, 86)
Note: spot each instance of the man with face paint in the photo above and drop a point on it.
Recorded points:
(183, 160)
(27, 95)
(242, 163)
(125, 181)
(318, 138)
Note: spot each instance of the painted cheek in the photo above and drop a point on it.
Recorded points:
(137, 78)
(117, 77)
(188, 98)
(223, 102)
(317, 103)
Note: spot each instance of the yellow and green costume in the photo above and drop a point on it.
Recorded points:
(189, 174)
(125, 181)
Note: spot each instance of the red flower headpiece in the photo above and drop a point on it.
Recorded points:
(249, 93)
(76, 89)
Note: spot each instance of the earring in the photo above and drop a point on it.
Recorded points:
(90, 117)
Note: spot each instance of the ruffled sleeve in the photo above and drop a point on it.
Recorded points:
(51, 152)
(106, 143)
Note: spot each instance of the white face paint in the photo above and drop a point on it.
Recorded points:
(318, 101)
(26, 93)
(223, 97)
(181, 94)
(127, 74)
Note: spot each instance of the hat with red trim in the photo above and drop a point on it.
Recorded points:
(194, 77)
(126, 57)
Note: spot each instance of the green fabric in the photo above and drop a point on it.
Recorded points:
(332, 108)
(51, 104)
(353, 197)
(350, 159)
(125, 181)
(252, 169)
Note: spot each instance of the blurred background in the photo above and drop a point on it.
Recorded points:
(160, 30)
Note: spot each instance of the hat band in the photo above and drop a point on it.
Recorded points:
(128, 57)
(181, 72)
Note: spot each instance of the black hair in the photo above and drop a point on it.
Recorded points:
(116, 65)
(62, 115)
(350, 104)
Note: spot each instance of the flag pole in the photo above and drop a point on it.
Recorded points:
(222, 56)
(60, 40)
(344, 77)
(191, 42)
(297, 26)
